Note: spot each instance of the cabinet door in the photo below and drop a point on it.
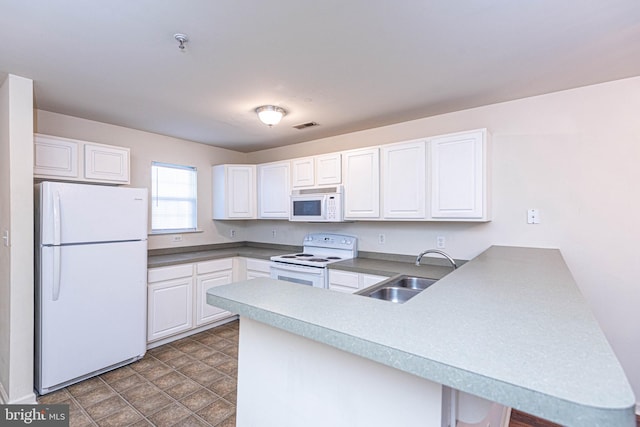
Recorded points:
(273, 190)
(302, 172)
(403, 180)
(55, 157)
(234, 191)
(329, 169)
(458, 175)
(344, 281)
(206, 313)
(361, 183)
(169, 307)
(106, 163)
(257, 268)
(367, 280)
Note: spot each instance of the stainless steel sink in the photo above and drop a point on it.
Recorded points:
(393, 294)
(398, 289)
(412, 282)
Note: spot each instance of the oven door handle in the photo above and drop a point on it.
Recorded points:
(296, 268)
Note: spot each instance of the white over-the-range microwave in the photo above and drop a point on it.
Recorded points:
(320, 204)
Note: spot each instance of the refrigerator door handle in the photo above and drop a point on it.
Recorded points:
(56, 273)
(56, 218)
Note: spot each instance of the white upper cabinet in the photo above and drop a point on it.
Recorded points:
(274, 190)
(361, 183)
(303, 172)
(459, 176)
(234, 191)
(316, 171)
(403, 168)
(328, 169)
(106, 163)
(75, 160)
(55, 157)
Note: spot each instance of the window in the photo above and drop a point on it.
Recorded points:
(173, 197)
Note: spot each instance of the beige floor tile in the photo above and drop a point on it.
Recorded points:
(124, 417)
(194, 421)
(85, 386)
(79, 419)
(95, 395)
(55, 397)
(216, 358)
(165, 388)
(170, 415)
(117, 374)
(184, 389)
(223, 386)
(217, 411)
(128, 382)
(179, 361)
(106, 407)
(171, 379)
(164, 353)
(199, 400)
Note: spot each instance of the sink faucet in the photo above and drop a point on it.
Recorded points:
(436, 251)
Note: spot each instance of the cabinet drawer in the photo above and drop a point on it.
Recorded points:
(258, 265)
(344, 279)
(214, 265)
(168, 273)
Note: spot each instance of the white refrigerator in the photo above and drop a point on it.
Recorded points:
(91, 260)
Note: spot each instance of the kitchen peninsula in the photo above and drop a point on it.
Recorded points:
(510, 326)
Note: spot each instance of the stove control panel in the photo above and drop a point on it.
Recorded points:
(330, 240)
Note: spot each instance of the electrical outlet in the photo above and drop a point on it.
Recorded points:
(441, 242)
(232, 233)
(176, 238)
(533, 216)
(381, 239)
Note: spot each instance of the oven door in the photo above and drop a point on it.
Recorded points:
(300, 274)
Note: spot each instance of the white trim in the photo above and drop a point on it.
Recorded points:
(29, 398)
(3, 395)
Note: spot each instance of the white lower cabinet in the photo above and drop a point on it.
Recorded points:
(174, 291)
(211, 274)
(258, 268)
(350, 282)
(169, 301)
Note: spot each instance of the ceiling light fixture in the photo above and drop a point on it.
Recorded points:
(270, 114)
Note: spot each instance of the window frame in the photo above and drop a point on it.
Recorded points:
(154, 199)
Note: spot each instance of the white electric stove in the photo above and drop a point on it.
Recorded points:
(309, 267)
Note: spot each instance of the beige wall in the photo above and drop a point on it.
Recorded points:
(574, 155)
(16, 258)
(145, 148)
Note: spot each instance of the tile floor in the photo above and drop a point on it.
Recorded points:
(189, 382)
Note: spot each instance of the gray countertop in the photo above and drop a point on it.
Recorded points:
(368, 262)
(510, 326)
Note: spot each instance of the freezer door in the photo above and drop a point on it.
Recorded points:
(74, 213)
(96, 317)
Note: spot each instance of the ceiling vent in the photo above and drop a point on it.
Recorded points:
(305, 125)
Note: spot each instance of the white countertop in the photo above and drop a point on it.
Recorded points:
(510, 326)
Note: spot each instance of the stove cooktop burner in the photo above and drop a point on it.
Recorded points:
(303, 255)
(318, 259)
(334, 257)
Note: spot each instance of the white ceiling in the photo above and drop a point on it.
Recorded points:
(346, 64)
